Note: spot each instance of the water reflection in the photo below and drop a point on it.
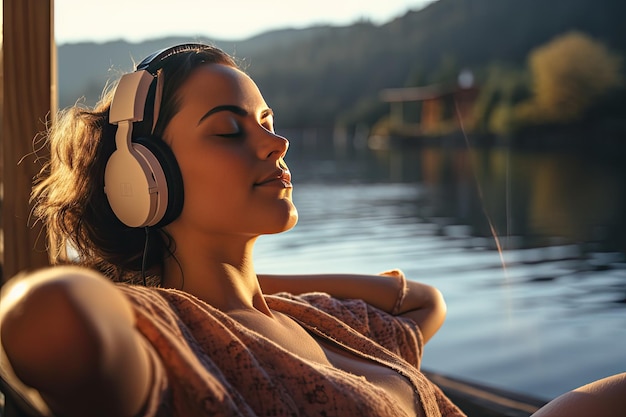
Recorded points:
(551, 317)
(534, 198)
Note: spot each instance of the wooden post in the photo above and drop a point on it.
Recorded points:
(27, 102)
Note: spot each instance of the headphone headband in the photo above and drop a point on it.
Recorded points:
(154, 62)
(133, 89)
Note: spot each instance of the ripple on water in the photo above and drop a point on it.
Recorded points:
(546, 322)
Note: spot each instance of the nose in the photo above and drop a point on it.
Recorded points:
(272, 146)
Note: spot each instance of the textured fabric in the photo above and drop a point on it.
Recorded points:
(207, 364)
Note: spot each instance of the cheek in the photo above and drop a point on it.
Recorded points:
(213, 185)
(209, 203)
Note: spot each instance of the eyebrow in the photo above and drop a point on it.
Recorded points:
(228, 107)
(233, 109)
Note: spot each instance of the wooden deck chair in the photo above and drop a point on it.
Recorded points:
(19, 400)
(15, 405)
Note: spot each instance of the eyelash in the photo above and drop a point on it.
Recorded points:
(240, 132)
(269, 126)
(232, 135)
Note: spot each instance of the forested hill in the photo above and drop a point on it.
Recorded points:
(325, 75)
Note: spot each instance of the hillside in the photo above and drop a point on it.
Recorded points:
(85, 67)
(326, 75)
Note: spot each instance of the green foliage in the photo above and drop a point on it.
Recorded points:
(503, 88)
(446, 72)
(570, 75)
(566, 77)
(324, 75)
(431, 45)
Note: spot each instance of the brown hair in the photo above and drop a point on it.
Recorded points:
(69, 196)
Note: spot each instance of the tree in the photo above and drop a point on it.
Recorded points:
(570, 74)
(502, 90)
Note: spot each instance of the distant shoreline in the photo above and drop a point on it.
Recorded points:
(605, 140)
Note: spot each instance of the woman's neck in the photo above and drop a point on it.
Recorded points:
(222, 275)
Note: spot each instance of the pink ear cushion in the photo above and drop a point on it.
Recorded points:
(175, 191)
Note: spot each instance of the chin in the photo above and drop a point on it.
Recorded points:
(284, 224)
(291, 224)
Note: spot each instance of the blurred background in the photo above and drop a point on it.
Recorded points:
(478, 145)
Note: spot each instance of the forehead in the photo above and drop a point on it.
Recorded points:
(217, 84)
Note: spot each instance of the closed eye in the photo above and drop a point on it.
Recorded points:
(269, 127)
(231, 135)
(267, 120)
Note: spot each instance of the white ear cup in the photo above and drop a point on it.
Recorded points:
(136, 187)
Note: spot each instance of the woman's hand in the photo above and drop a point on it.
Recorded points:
(389, 291)
(69, 333)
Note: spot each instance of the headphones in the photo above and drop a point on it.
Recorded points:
(142, 180)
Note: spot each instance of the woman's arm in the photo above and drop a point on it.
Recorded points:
(605, 397)
(389, 292)
(69, 333)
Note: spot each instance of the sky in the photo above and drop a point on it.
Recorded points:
(138, 20)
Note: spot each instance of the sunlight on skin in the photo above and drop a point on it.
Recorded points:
(12, 292)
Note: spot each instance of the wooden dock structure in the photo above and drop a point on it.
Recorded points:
(27, 102)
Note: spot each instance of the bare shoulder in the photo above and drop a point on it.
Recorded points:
(62, 326)
(58, 306)
(50, 281)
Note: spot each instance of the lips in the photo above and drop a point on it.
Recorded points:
(279, 177)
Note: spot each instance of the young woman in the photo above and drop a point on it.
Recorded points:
(183, 205)
(169, 182)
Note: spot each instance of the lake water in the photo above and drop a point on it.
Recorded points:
(541, 316)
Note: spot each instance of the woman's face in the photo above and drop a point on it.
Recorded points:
(230, 158)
